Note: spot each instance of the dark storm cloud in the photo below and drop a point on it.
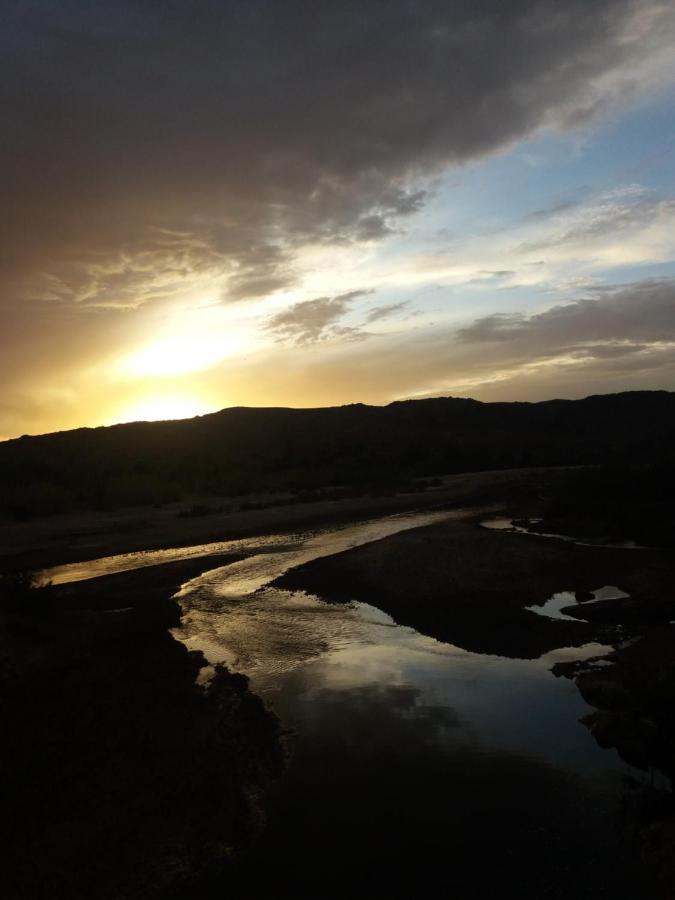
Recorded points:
(248, 127)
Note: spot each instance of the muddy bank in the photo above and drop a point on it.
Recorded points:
(634, 701)
(614, 503)
(413, 761)
(469, 586)
(74, 538)
(121, 777)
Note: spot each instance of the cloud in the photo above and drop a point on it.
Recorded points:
(609, 339)
(617, 338)
(275, 124)
(316, 320)
(636, 314)
(312, 321)
(541, 215)
(384, 312)
(616, 215)
(163, 156)
(571, 245)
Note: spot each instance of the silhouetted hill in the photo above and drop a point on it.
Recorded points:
(239, 450)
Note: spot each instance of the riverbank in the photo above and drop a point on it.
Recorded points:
(155, 785)
(470, 586)
(55, 540)
(121, 777)
(634, 703)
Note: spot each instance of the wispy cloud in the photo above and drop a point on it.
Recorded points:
(386, 311)
(316, 320)
(639, 314)
(609, 339)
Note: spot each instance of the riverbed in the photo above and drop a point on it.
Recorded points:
(416, 767)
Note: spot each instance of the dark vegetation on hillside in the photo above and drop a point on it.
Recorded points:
(238, 451)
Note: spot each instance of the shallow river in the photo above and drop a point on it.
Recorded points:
(416, 765)
(417, 769)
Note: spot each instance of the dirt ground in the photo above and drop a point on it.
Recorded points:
(120, 777)
(54, 540)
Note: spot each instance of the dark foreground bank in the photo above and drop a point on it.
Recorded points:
(124, 779)
(120, 776)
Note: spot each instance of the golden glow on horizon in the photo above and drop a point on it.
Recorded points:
(159, 407)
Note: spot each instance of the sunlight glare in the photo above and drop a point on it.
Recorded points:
(157, 408)
(179, 355)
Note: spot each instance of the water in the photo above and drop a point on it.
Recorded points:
(300, 547)
(141, 559)
(553, 608)
(416, 768)
(500, 523)
(412, 761)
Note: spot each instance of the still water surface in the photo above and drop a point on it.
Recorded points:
(416, 768)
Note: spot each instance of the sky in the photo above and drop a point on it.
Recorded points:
(310, 203)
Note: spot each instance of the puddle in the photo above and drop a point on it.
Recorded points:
(553, 607)
(501, 523)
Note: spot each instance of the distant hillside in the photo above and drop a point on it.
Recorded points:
(240, 450)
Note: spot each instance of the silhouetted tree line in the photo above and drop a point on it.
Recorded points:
(238, 451)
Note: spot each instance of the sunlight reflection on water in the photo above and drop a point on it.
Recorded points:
(391, 730)
(293, 646)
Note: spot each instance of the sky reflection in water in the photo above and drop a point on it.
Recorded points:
(411, 759)
(294, 647)
(417, 768)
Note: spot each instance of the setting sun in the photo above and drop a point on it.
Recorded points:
(337, 449)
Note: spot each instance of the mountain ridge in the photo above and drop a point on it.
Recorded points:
(239, 450)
